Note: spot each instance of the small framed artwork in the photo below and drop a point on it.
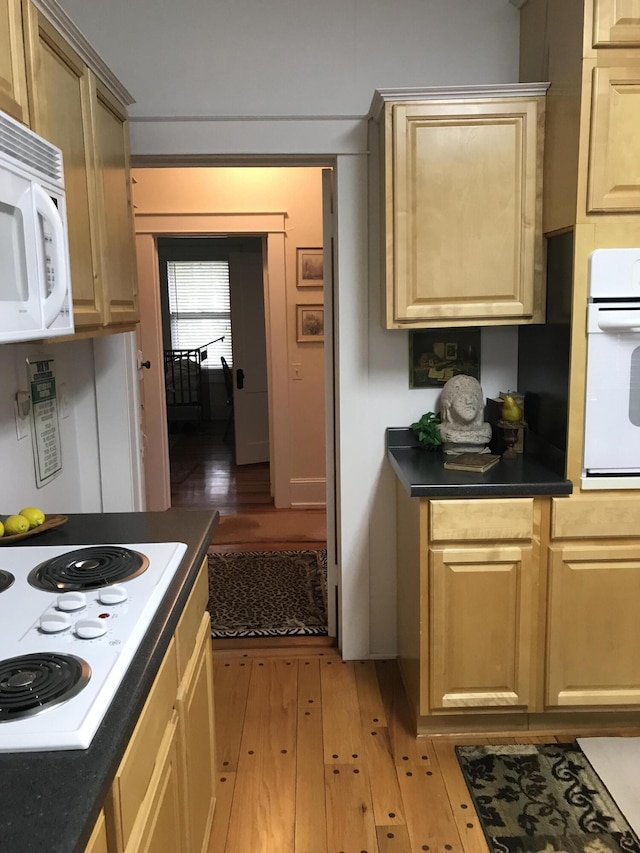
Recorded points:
(310, 268)
(437, 355)
(310, 323)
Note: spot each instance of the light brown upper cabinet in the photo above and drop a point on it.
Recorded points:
(117, 240)
(614, 177)
(13, 84)
(73, 109)
(616, 23)
(462, 205)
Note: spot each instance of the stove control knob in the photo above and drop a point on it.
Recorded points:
(53, 622)
(70, 601)
(115, 594)
(89, 629)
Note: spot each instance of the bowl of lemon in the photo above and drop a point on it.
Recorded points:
(29, 521)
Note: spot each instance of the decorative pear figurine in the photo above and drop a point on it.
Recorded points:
(511, 411)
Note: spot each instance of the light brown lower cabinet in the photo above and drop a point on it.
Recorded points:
(594, 624)
(519, 614)
(468, 583)
(163, 795)
(481, 630)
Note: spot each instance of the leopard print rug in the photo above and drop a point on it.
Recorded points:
(268, 593)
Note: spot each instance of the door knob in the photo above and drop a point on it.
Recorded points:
(146, 364)
(240, 379)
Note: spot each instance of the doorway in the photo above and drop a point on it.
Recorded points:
(291, 360)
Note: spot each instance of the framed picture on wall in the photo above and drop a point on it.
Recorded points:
(310, 268)
(437, 355)
(309, 323)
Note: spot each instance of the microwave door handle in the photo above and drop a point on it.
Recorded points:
(49, 212)
(620, 321)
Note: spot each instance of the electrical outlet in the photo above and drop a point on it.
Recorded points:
(296, 371)
(23, 426)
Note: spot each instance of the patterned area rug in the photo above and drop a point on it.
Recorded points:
(543, 797)
(268, 593)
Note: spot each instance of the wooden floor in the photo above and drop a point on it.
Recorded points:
(316, 755)
(205, 476)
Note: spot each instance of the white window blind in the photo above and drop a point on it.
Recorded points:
(199, 307)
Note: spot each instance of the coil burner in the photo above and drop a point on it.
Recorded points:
(6, 579)
(88, 568)
(33, 683)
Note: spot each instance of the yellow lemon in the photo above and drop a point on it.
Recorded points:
(1, 529)
(15, 524)
(34, 516)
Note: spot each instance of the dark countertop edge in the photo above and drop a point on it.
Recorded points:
(51, 799)
(535, 480)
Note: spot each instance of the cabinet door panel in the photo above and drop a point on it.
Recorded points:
(594, 630)
(466, 204)
(481, 626)
(13, 83)
(195, 708)
(614, 178)
(117, 243)
(616, 23)
(61, 113)
(159, 825)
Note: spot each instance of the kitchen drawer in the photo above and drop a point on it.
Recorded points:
(481, 520)
(136, 769)
(597, 517)
(189, 623)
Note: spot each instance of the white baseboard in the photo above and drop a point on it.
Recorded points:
(308, 493)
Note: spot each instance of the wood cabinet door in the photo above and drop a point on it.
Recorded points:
(482, 623)
(197, 736)
(60, 111)
(115, 210)
(13, 81)
(98, 841)
(616, 23)
(160, 826)
(593, 629)
(465, 230)
(614, 177)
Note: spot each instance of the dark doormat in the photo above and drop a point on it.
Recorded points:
(268, 593)
(543, 797)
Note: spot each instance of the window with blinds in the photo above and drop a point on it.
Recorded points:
(199, 307)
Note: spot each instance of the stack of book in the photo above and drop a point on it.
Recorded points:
(478, 462)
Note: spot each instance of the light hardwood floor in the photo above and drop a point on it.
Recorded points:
(316, 755)
(205, 476)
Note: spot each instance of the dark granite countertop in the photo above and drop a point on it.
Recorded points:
(50, 800)
(422, 474)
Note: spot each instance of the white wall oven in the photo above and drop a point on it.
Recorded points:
(612, 408)
(35, 284)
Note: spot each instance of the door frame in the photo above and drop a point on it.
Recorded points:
(271, 226)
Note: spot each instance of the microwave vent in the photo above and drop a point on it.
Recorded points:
(29, 149)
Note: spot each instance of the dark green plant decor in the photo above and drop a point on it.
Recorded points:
(427, 431)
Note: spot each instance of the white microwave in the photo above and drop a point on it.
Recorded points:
(35, 285)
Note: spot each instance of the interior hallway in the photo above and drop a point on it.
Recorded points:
(205, 476)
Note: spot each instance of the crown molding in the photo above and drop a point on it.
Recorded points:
(452, 93)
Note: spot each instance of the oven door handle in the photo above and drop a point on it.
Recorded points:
(619, 321)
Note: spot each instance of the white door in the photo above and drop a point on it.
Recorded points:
(250, 398)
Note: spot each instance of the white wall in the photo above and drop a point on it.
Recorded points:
(77, 487)
(293, 77)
